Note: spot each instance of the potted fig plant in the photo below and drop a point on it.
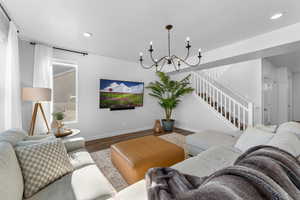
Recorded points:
(168, 92)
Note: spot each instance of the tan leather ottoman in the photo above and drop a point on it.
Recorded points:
(134, 157)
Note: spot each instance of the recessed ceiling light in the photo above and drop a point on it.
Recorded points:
(276, 16)
(87, 34)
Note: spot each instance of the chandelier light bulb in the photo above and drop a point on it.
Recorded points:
(200, 50)
(141, 54)
(87, 34)
(151, 43)
(187, 39)
(276, 16)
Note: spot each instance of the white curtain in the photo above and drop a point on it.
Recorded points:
(43, 78)
(4, 26)
(12, 89)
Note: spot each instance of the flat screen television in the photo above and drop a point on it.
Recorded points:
(115, 94)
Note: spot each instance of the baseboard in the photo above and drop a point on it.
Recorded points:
(189, 129)
(116, 133)
(233, 133)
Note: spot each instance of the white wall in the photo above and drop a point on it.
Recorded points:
(245, 78)
(94, 122)
(296, 100)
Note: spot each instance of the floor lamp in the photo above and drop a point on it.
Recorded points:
(37, 95)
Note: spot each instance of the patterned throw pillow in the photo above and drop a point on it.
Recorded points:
(42, 164)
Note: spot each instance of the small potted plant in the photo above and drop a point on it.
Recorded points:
(168, 92)
(58, 121)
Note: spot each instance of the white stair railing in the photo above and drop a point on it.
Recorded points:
(230, 108)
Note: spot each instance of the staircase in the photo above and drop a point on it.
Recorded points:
(232, 108)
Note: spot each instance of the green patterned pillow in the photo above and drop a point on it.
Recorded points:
(42, 164)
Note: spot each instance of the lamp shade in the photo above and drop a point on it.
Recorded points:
(36, 94)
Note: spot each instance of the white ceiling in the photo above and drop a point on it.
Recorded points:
(121, 29)
(290, 60)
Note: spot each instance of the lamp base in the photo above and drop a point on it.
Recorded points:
(37, 106)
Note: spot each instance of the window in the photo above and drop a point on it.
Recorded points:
(65, 90)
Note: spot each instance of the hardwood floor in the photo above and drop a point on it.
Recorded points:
(104, 143)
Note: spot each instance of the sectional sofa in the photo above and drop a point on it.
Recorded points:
(86, 182)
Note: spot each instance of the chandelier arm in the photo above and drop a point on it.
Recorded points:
(174, 64)
(190, 65)
(146, 67)
(187, 54)
(151, 56)
(163, 63)
(158, 61)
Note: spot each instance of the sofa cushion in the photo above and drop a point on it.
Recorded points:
(42, 164)
(11, 180)
(86, 183)
(199, 142)
(13, 136)
(287, 141)
(136, 191)
(80, 158)
(253, 137)
(209, 161)
(268, 128)
(290, 127)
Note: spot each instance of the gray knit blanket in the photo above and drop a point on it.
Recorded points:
(263, 172)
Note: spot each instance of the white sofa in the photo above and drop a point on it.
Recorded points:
(86, 182)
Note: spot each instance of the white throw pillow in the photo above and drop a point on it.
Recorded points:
(253, 137)
(293, 127)
(287, 141)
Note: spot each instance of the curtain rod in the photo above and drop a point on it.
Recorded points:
(68, 50)
(5, 12)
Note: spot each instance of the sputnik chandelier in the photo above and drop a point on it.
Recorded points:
(173, 60)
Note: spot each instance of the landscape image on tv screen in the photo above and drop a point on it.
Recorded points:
(121, 94)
